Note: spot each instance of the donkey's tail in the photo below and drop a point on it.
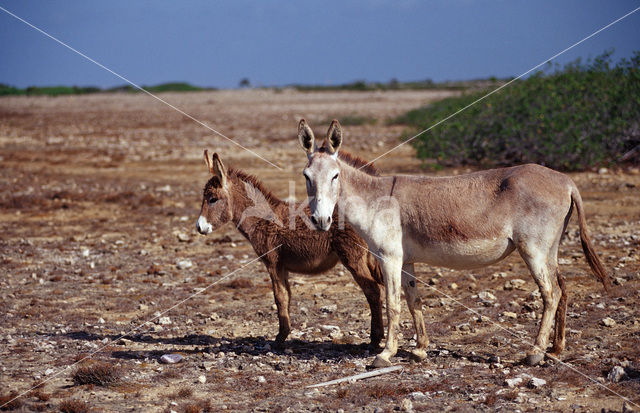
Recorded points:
(587, 246)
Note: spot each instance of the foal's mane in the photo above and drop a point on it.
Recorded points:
(256, 183)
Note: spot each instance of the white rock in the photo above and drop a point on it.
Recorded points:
(608, 322)
(164, 321)
(486, 296)
(171, 358)
(182, 237)
(513, 382)
(51, 371)
(184, 264)
(261, 379)
(515, 284)
(418, 396)
(536, 382)
(202, 379)
(510, 314)
(616, 374)
(406, 405)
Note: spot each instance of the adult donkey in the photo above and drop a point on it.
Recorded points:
(268, 222)
(460, 222)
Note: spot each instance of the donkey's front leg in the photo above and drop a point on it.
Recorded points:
(410, 287)
(391, 269)
(282, 295)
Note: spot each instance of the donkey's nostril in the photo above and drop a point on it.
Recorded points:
(313, 220)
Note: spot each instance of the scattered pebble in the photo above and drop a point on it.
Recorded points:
(509, 314)
(616, 374)
(608, 322)
(536, 382)
(171, 358)
(202, 379)
(516, 381)
(486, 296)
(164, 321)
(515, 284)
(184, 264)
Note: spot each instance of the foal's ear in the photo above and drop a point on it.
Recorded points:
(219, 170)
(334, 137)
(207, 160)
(305, 136)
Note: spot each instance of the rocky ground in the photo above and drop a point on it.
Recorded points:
(99, 197)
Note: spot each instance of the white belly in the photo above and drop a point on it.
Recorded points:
(458, 255)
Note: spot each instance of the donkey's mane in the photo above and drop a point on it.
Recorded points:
(358, 162)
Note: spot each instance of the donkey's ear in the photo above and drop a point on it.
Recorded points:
(219, 170)
(334, 137)
(305, 136)
(207, 160)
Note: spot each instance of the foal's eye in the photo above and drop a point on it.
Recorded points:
(212, 200)
(334, 177)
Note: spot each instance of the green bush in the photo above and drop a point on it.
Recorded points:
(570, 118)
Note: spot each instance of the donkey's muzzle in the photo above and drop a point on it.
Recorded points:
(321, 223)
(203, 226)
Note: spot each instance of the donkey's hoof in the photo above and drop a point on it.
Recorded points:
(534, 359)
(380, 362)
(418, 354)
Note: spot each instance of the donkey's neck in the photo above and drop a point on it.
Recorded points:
(362, 193)
(252, 203)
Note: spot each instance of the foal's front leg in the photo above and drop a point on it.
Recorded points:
(391, 269)
(282, 295)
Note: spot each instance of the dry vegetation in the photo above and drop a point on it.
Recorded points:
(98, 200)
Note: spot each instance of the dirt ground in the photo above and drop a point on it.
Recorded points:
(98, 201)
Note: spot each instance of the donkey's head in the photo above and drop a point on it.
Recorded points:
(216, 202)
(322, 172)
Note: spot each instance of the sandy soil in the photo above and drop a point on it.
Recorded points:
(99, 197)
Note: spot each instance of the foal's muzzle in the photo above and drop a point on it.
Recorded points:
(321, 223)
(203, 226)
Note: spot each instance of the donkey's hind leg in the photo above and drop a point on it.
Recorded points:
(282, 295)
(409, 285)
(561, 314)
(543, 273)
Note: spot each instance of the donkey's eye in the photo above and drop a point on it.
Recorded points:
(334, 177)
(212, 200)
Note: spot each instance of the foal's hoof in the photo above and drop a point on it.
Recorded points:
(379, 362)
(534, 359)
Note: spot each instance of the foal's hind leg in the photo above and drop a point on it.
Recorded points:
(363, 274)
(543, 273)
(282, 295)
(414, 303)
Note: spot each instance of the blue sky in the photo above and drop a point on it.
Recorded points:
(216, 43)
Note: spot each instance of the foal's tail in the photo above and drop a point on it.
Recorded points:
(587, 246)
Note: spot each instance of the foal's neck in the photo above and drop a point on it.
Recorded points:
(251, 203)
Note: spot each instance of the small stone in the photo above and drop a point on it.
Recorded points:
(101, 320)
(51, 371)
(516, 284)
(171, 358)
(182, 237)
(311, 392)
(261, 379)
(603, 171)
(453, 286)
(202, 379)
(516, 381)
(608, 322)
(143, 307)
(486, 296)
(406, 405)
(509, 314)
(143, 252)
(619, 281)
(616, 374)
(164, 321)
(418, 396)
(184, 264)
(329, 308)
(536, 382)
